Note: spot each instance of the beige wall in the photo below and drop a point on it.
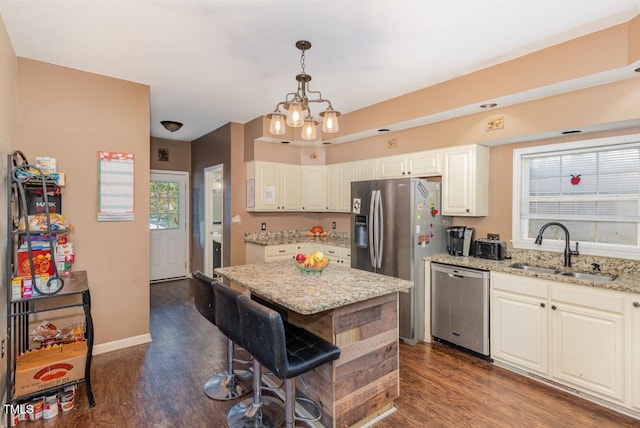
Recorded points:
(71, 115)
(179, 154)
(7, 145)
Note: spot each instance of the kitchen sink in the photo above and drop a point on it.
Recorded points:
(590, 277)
(532, 268)
(552, 271)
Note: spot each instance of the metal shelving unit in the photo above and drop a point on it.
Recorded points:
(56, 294)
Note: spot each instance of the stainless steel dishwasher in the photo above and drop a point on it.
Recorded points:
(460, 306)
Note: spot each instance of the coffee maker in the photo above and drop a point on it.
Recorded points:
(460, 240)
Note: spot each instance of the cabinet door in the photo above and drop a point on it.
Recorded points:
(392, 167)
(423, 164)
(633, 303)
(465, 181)
(267, 183)
(288, 187)
(334, 187)
(314, 188)
(367, 170)
(587, 349)
(348, 173)
(520, 331)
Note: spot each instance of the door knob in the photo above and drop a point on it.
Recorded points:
(636, 304)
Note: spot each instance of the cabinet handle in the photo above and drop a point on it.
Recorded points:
(636, 304)
(542, 305)
(282, 251)
(554, 307)
(408, 172)
(467, 210)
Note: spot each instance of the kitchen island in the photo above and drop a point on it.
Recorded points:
(353, 309)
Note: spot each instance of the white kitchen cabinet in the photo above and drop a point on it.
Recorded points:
(255, 253)
(569, 334)
(313, 193)
(420, 164)
(339, 178)
(465, 181)
(340, 256)
(275, 186)
(520, 322)
(632, 305)
(366, 170)
(587, 339)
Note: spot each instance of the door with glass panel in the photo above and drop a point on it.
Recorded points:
(167, 224)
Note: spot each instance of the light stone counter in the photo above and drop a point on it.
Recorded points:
(283, 283)
(279, 237)
(626, 274)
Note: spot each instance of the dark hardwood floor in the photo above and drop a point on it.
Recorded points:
(160, 384)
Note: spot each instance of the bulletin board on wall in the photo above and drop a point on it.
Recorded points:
(115, 186)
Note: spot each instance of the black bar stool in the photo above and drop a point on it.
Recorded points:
(284, 349)
(231, 383)
(258, 411)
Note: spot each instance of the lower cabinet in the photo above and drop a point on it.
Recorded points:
(520, 322)
(587, 339)
(569, 334)
(268, 253)
(632, 305)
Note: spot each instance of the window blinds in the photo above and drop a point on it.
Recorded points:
(594, 184)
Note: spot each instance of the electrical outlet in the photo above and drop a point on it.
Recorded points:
(264, 226)
(494, 236)
(333, 225)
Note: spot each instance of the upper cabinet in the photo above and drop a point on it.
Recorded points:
(313, 193)
(339, 178)
(421, 164)
(465, 181)
(273, 186)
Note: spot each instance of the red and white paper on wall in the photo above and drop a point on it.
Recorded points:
(115, 186)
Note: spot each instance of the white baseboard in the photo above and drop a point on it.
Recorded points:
(121, 344)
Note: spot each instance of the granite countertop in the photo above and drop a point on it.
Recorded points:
(283, 283)
(625, 279)
(339, 239)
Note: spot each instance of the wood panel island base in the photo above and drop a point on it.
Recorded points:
(354, 309)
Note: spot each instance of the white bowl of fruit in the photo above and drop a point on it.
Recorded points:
(314, 263)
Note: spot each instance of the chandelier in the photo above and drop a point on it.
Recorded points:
(298, 109)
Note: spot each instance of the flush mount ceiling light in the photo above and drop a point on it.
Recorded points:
(488, 105)
(297, 107)
(170, 125)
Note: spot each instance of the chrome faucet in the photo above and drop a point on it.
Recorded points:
(568, 252)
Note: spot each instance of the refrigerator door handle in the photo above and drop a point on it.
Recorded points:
(380, 220)
(372, 247)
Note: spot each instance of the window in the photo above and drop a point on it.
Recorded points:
(591, 186)
(163, 205)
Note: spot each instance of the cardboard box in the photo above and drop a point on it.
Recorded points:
(50, 367)
(35, 201)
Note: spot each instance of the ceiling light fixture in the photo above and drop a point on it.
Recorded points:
(297, 106)
(488, 105)
(170, 125)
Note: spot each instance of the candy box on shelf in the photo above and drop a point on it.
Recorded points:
(49, 367)
(42, 262)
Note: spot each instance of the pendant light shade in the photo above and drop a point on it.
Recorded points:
(297, 106)
(277, 123)
(294, 116)
(309, 129)
(330, 121)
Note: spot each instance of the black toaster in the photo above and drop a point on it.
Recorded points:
(490, 249)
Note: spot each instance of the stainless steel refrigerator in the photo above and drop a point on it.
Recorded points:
(394, 224)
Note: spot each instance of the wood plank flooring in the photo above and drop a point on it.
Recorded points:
(160, 385)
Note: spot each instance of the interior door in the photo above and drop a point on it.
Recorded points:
(168, 225)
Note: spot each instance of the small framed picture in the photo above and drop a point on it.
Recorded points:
(163, 155)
